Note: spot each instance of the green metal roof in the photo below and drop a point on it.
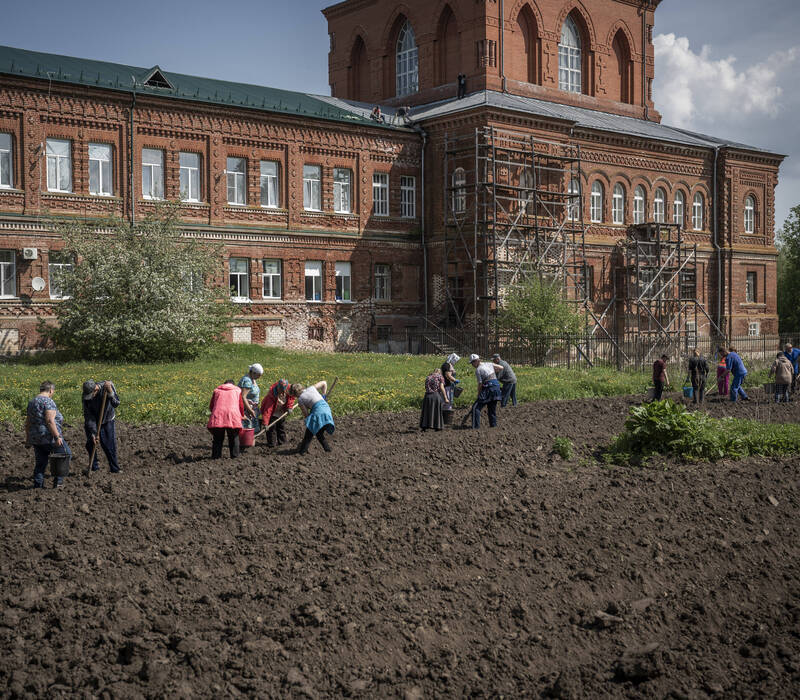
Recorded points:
(122, 78)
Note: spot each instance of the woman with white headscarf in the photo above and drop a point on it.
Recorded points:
(251, 396)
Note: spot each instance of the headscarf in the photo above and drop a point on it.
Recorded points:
(256, 369)
(280, 386)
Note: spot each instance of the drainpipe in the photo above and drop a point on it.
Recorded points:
(717, 247)
(130, 158)
(424, 135)
(644, 60)
(502, 45)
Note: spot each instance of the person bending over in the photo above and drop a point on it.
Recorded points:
(317, 413)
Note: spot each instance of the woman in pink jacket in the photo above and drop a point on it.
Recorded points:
(227, 409)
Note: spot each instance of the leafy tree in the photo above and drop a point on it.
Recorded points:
(140, 293)
(789, 272)
(536, 311)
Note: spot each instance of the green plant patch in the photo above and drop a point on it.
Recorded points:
(563, 446)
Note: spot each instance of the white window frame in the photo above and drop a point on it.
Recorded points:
(271, 281)
(383, 282)
(459, 196)
(241, 277)
(236, 180)
(597, 202)
(342, 190)
(59, 166)
(408, 197)
(750, 214)
(639, 205)
(312, 187)
(659, 205)
(751, 290)
(570, 68)
(574, 200)
(104, 186)
(313, 272)
(698, 202)
(380, 194)
(189, 176)
(618, 205)
(268, 184)
(6, 161)
(678, 207)
(154, 165)
(406, 62)
(754, 329)
(344, 282)
(56, 267)
(8, 274)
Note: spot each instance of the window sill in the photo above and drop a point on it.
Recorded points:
(153, 199)
(59, 192)
(238, 205)
(752, 305)
(240, 300)
(102, 195)
(345, 301)
(10, 190)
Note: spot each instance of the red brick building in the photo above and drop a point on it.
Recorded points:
(339, 230)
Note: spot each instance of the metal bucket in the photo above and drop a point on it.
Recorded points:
(59, 464)
(447, 416)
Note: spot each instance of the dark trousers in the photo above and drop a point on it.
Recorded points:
(782, 393)
(491, 410)
(42, 455)
(108, 441)
(309, 436)
(699, 386)
(509, 392)
(218, 438)
(736, 388)
(278, 430)
(659, 390)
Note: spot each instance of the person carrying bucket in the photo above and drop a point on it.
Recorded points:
(317, 412)
(489, 392)
(44, 432)
(99, 403)
(227, 411)
(251, 396)
(277, 403)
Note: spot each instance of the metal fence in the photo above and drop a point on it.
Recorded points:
(580, 352)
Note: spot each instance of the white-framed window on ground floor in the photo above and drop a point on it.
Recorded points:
(59, 268)
(239, 279)
(313, 280)
(383, 282)
(316, 333)
(8, 274)
(753, 329)
(343, 281)
(271, 279)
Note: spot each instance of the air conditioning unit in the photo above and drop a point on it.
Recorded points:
(30, 253)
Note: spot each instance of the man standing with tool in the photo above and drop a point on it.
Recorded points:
(508, 379)
(489, 392)
(99, 403)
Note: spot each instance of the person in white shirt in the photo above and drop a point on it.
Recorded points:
(489, 392)
(317, 412)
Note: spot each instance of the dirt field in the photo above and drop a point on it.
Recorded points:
(449, 564)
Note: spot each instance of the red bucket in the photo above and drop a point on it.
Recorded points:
(247, 437)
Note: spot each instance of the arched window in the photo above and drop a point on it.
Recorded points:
(697, 212)
(658, 205)
(638, 205)
(569, 58)
(620, 83)
(359, 72)
(597, 202)
(750, 214)
(678, 207)
(459, 191)
(574, 201)
(618, 205)
(407, 65)
(447, 47)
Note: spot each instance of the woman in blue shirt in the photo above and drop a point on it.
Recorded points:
(251, 396)
(44, 432)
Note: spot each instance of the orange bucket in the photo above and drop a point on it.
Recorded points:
(247, 437)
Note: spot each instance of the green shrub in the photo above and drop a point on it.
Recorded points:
(667, 428)
(563, 446)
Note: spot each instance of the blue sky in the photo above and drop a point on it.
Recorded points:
(724, 67)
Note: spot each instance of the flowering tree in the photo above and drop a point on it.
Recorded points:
(789, 272)
(140, 292)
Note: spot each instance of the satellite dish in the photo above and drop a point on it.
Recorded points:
(38, 284)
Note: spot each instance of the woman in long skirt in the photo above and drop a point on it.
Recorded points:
(433, 403)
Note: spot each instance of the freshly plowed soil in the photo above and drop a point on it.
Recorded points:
(451, 564)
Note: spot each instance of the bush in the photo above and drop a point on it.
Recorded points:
(140, 293)
(667, 428)
(563, 446)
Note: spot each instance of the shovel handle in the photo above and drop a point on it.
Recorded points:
(99, 426)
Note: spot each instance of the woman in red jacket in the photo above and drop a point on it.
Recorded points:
(227, 409)
(277, 402)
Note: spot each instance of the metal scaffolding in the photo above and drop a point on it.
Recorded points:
(513, 210)
(660, 310)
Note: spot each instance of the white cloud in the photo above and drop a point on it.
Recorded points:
(693, 89)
